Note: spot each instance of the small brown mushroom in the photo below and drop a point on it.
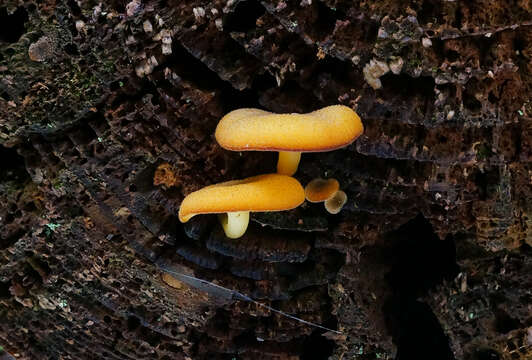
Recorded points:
(319, 189)
(335, 204)
(327, 191)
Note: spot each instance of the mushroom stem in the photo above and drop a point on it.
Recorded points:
(235, 223)
(288, 162)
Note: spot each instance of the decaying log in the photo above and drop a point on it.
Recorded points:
(107, 115)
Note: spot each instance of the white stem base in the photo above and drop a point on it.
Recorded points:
(235, 223)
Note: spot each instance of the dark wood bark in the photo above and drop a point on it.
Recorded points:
(429, 259)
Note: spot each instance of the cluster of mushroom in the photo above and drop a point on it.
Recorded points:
(326, 129)
(328, 192)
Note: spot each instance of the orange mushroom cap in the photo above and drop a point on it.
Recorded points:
(270, 192)
(319, 189)
(326, 129)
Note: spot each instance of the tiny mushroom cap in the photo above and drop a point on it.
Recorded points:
(330, 128)
(335, 204)
(319, 189)
(237, 198)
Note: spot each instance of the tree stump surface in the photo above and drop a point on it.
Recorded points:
(107, 119)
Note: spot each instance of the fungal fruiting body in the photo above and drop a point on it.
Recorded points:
(326, 191)
(319, 189)
(327, 129)
(334, 204)
(235, 199)
(234, 223)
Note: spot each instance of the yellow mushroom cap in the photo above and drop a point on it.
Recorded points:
(319, 189)
(326, 129)
(270, 192)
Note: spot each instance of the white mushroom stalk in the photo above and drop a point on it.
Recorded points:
(235, 223)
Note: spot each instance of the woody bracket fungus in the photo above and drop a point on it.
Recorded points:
(326, 191)
(330, 128)
(235, 199)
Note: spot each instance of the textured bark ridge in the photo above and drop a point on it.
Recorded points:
(107, 115)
